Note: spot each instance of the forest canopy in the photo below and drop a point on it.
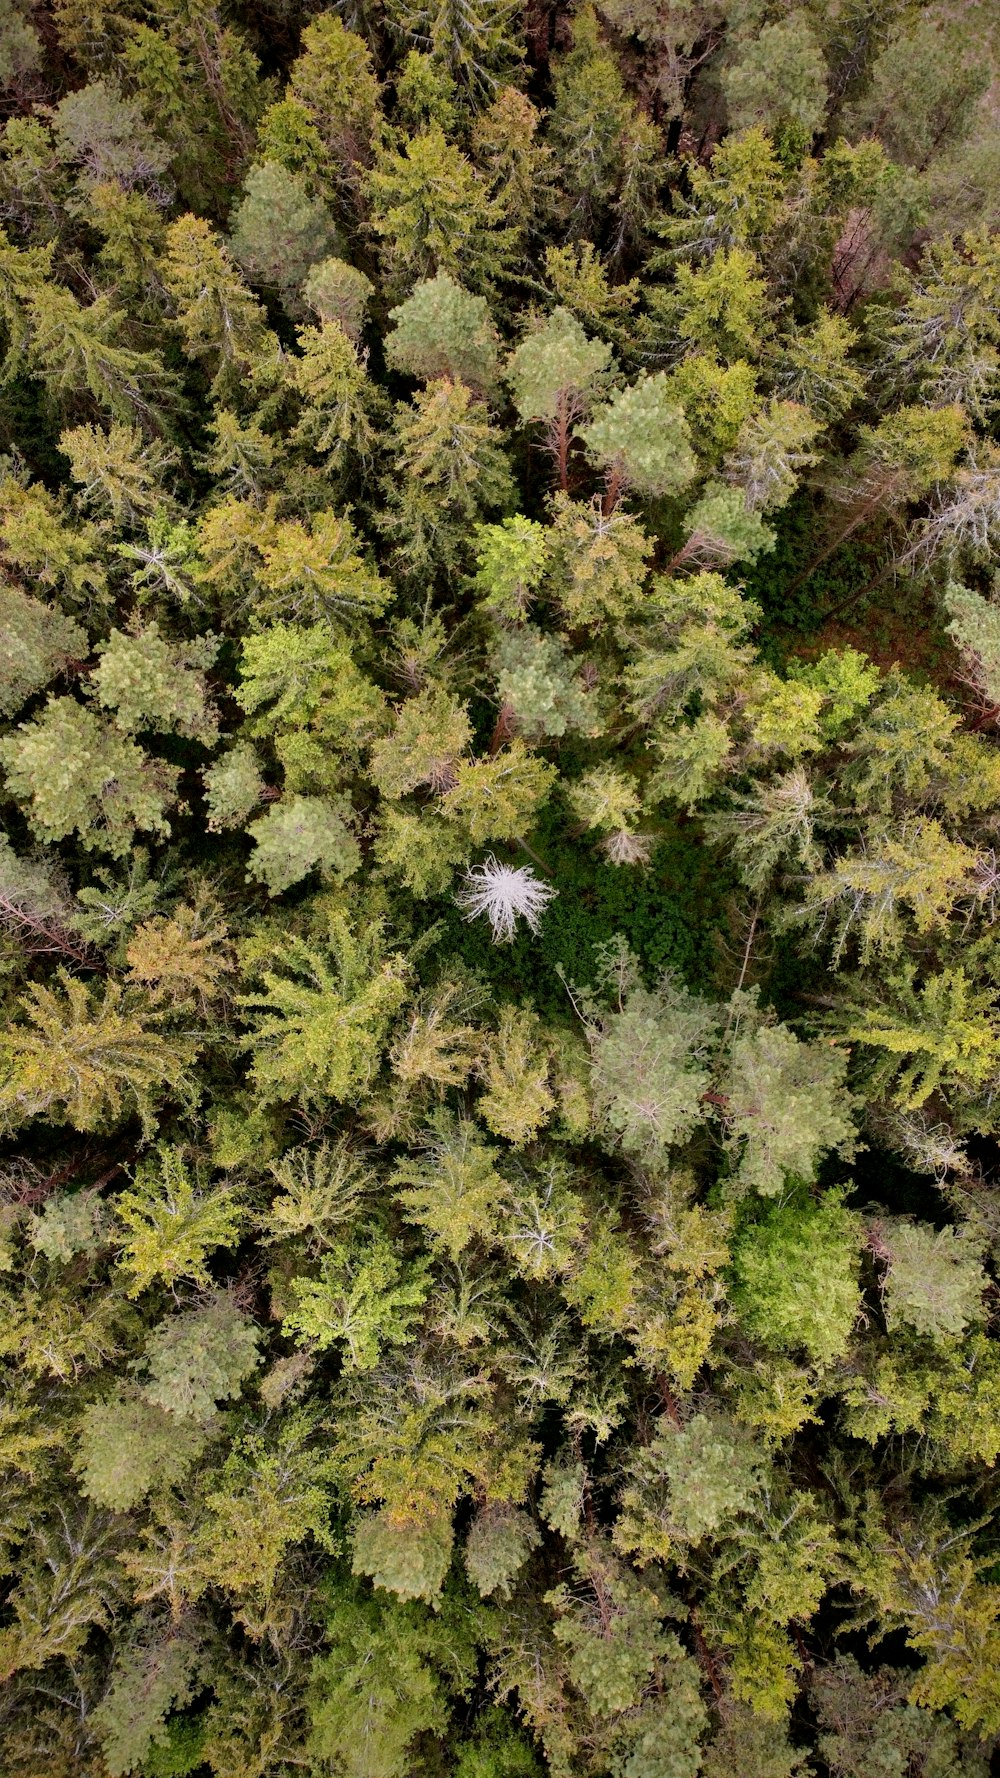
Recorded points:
(499, 889)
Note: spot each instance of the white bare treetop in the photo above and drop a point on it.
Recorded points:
(503, 893)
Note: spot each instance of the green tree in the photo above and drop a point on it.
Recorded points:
(442, 331)
(642, 442)
(795, 1278)
(200, 1357)
(591, 120)
(390, 1675)
(279, 231)
(77, 774)
(334, 81)
(218, 318)
(362, 1297)
(169, 1222)
(554, 376)
(298, 835)
(150, 683)
(36, 643)
(433, 213)
(322, 1021)
(451, 1188)
(779, 79)
(90, 1059)
(474, 42)
(785, 1104)
(120, 474)
(940, 1035)
(451, 472)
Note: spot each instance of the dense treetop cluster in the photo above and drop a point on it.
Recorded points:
(499, 889)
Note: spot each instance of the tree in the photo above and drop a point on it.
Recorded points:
(169, 1222)
(511, 559)
(779, 79)
(129, 1448)
(598, 561)
(432, 732)
(337, 291)
(865, 1717)
(442, 331)
(722, 529)
(120, 473)
(975, 628)
(499, 797)
(863, 893)
(271, 1493)
(591, 117)
(334, 81)
(554, 376)
(649, 1052)
(389, 1676)
(735, 199)
(474, 42)
(106, 135)
(642, 442)
(771, 447)
(608, 801)
(451, 472)
(155, 1675)
(361, 1298)
(322, 1021)
(432, 211)
(795, 1278)
(518, 1098)
(90, 1059)
(219, 320)
(149, 683)
(450, 1189)
(815, 369)
(924, 86)
(279, 231)
(80, 775)
(297, 835)
(944, 333)
(720, 307)
(538, 688)
(898, 461)
(37, 642)
(939, 1036)
(504, 894)
(78, 352)
(337, 396)
(934, 1281)
(784, 1102)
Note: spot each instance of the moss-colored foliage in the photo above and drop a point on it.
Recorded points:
(796, 1278)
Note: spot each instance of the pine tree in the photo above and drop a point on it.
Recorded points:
(37, 642)
(279, 231)
(779, 80)
(554, 376)
(641, 440)
(441, 331)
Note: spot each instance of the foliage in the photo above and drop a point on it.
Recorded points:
(499, 889)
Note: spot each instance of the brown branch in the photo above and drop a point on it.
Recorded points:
(51, 936)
